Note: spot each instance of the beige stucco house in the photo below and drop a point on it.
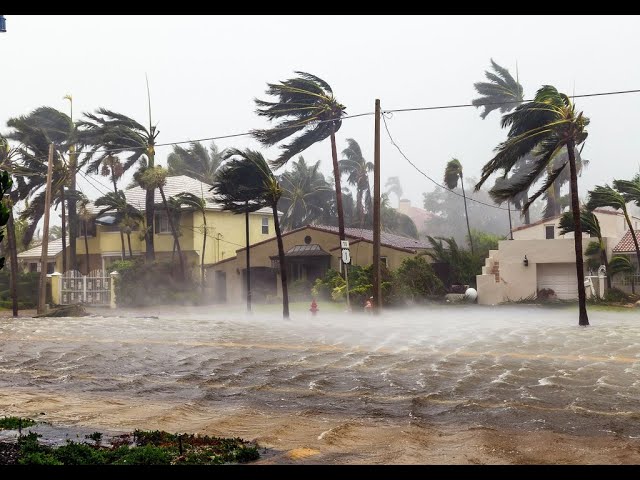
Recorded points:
(309, 252)
(539, 258)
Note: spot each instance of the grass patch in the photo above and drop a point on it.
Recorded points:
(138, 448)
(15, 423)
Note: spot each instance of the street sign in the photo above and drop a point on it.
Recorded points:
(344, 244)
(346, 256)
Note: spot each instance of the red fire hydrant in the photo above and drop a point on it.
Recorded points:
(314, 307)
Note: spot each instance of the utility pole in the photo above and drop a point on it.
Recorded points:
(42, 298)
(377, 297)
(73, 209)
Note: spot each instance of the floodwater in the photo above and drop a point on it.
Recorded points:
(334, 383)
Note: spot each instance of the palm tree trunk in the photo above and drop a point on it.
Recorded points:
(13, 253)
(115, 189)
(148, 236)
(86, 248)
(204, 246)
(510, 225)
(174, 232)
(466, 214)
(246, 232)
(336, 178)
(129, 242)
(283, 266)
(359, 207)
(583, 319)
(64, 231)
(73, 212)
(527, 215)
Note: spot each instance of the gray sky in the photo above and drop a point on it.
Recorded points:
(204, 72)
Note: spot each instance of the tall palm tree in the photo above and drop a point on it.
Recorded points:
(248, 180)
(393, 186)
(590, 225)
(606, 196)
(305, 194)
(195, 161)
(305, 105)
(502, 92)
(548, 124)
(106, 132)
(453, 173)
(197, 204)
(34, 133)
(357, 168)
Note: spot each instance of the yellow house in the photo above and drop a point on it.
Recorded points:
(225, 232)
(309, 252)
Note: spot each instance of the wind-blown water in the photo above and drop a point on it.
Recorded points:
(519, 367)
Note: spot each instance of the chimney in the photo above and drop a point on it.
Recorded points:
(404, 205)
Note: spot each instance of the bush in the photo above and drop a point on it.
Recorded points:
(416, 280)
(300, 290)
(28, 287)
(615, 295)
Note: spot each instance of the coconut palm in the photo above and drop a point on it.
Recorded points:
(502, 92)
(305, 194)
(590, 225)
(620, 264)
(246, 182)
(393, 186)
(453, 173)
(547, 124)
(34, 133)
(199, 205)
(195, 161)
(106, 132)
(305, 105)
(606, 196)
(357, 170)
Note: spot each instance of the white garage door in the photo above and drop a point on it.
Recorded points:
(559, 277)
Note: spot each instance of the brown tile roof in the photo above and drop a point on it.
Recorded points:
(626, 245)
(386, 239)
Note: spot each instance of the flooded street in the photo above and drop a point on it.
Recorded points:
(438, 385)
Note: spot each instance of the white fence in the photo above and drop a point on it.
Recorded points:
(92, 289)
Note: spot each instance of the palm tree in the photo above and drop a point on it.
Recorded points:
(547, 124)
(453, 173)
(590, 225)
(117, 202)
(8, 156)
(620, 264)
(393, 186)
(305, 194)
(247, 182)
(501, 92)
(606, 196)
(197, 204)
(35, 132)
(357, 169)
(106, 132)
(305, 105)
(85, 215)
(195, 162)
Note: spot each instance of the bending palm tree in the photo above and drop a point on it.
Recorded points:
(197, 204)
(248, 182)
(501, 92)
(7, 157)
(117, 202)
(357, 169)
(452, 174)
(549, 123)
(195, 162)
(590, 225)
(106, 132)
(305, 105)
(393, 186)
(605, 196)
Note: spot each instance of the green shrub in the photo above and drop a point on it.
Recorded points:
(14, 423)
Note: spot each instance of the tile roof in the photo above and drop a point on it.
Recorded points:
(626, 245)
(53, 248)
(386, 239)
(313, 250)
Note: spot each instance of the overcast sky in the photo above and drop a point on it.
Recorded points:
(204, 72)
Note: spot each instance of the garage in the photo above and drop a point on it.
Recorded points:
(559, 277)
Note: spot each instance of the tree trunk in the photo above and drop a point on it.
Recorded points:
(124, 252)
(64, 231)
(174, 232)
(246, 228)
(86, 248)
(13, 253)
(115, 189)
(148, 236)
(204, 246)
(129, 242)
(336, 178)
(575, 209)
(466, 214)
(283, 266)
(73, 211)
(359, 207)
(527, 215)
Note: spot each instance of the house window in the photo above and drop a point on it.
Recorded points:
(383, 260)
(549, 231)
(265, 225)
(162, 223)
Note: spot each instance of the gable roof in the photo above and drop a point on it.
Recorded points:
(626, 245)
(53, 248)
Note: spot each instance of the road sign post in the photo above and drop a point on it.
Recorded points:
(346, 260)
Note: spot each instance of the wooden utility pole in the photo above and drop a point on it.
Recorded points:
(377, 297)
(42, 298)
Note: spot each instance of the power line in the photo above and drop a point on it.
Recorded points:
(427, 176)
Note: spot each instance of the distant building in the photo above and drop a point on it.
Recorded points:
(418, 215)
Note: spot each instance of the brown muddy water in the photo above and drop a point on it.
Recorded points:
(458, 384)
